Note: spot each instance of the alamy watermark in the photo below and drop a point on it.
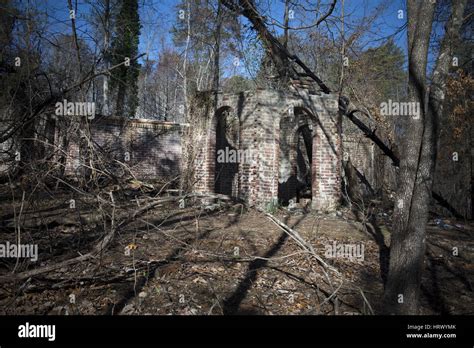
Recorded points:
(27, 251)
(346, 251)
(228, 155)
(394, 108)
(28, 330)
(66, 108)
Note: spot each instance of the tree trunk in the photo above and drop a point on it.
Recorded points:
(105, 85)
(286, 21)
(217, 51)
(185, 62)
(120, 100)
(418, 159)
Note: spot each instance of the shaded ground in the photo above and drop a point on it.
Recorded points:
(220, 259)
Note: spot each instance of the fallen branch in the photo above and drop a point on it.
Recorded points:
(366, 301)
(299, 240)
(327, 299)
(96, 251)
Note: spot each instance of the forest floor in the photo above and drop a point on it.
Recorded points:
(217, 259)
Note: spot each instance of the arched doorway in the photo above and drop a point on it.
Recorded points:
(296, 157)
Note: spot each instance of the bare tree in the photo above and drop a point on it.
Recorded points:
(418, 158)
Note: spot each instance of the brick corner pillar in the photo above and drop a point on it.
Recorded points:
(264, 174)
(202, 137)
(205, 161)
(72, 152)
(326, 164)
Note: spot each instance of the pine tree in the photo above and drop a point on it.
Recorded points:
(125, 45)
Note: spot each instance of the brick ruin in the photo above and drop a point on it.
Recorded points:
(300, 150)
(293, 141)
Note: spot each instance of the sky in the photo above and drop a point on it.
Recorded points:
(386, 24)
(158, 16)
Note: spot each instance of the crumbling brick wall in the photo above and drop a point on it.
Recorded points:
(150, 148)
(264, 128)
(359, 153)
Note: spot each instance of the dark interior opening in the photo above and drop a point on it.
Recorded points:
(227, 142)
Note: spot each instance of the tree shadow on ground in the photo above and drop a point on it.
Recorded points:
(373, 229)
(232, 304)
(432, 291)
(136, 287)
